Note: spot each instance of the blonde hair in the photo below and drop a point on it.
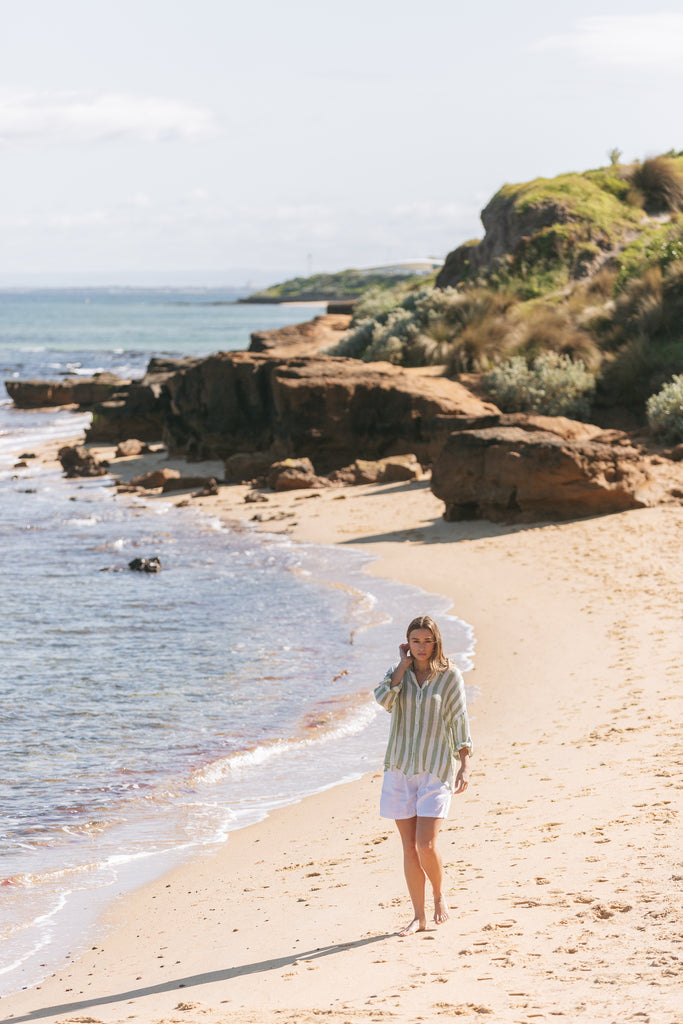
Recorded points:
(438, 659)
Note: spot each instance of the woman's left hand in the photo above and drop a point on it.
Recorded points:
(462, 780)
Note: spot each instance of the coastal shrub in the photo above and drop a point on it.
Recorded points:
(355, 341)
(659, 245)
(665, 410)
(645, 338)
(651, 304)
(659, 180)
(374, 302)
(484, 341)
(379, 338)
(638, 308)
(552, 328)
(638, 371)
(469, 327)
(378, 300)
(553, 385)
(461, 329)
(592, 293)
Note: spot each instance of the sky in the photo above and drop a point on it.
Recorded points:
(215, 142)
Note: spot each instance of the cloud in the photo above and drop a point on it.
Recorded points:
(624, 39)
(428, 212)
(77, 118)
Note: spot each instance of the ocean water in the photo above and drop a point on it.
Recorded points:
(55, 332)
(143, 717)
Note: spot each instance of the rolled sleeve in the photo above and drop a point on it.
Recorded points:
(385, 693)
(457, 714)
(460, 730)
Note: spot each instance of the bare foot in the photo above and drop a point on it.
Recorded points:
(440, 910)
(418, 924)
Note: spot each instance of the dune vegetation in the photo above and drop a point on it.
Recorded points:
(578, 277)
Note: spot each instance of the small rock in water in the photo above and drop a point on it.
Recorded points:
(145, 564)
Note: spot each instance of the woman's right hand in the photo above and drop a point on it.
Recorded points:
(404, 653)
(405, 660)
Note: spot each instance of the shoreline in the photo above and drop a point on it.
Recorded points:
(342, 721)
(563, 865)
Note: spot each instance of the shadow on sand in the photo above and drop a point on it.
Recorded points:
(198, 979)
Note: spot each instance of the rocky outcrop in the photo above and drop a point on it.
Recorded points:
(522, 231)
(511, 474)
(140, 409)
(310, 338)
(331, 410)
(221, 405)
(82, 391)
(78, 461)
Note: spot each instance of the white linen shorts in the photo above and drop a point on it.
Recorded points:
(405, 796)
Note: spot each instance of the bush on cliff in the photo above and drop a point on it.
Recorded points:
(658, 245)
(657, 185)
(463, 330)
(552, 384)
(377, 300)
(570, 265)
(643, 342)
(665, 410)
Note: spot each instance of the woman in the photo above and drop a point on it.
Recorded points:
(425, 695)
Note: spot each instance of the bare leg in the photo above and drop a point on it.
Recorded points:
(415, 876)
(426, 832)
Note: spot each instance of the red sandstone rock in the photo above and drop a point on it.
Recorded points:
(394, 469)
(294, 474)
(157, 478)
(78, 461)
(130, 447)
(513, 475)
(83, 391)
(330, 409)
(190, 483)
(308, 338)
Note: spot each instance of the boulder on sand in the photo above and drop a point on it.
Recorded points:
(393, 469)
(513, 475)
(157, 478)
(78, 461)
(295, 474)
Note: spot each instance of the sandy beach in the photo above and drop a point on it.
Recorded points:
(564, 859)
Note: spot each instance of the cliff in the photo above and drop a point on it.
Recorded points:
(564, 225)
(586, 268)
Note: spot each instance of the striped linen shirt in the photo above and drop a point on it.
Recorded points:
(429, 724)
